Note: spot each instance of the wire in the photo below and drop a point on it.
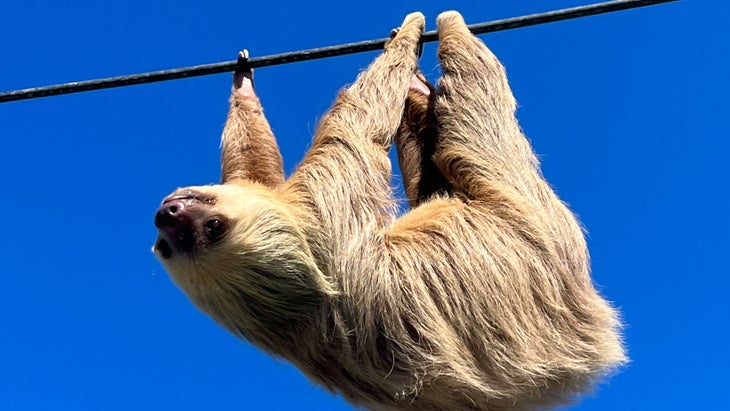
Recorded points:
(316, 53)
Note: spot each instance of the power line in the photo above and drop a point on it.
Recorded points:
(316, 53)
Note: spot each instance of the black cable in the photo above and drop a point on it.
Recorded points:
(316, 53)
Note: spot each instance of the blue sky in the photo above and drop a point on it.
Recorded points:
(627, 110)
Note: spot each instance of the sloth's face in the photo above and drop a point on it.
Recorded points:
(207, 233)
(239, 254)
(190, 223)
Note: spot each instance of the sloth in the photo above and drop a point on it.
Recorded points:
(478, 297)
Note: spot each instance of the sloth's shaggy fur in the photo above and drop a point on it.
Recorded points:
(479, 297)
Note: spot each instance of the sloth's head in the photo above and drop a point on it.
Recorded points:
(241, 256)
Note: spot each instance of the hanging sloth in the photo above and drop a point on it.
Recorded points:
(479, 297)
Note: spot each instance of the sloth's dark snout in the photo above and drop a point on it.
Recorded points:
(175, 220)
(186, 223)
(171, 215)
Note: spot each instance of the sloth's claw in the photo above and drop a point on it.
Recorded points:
(243, 84)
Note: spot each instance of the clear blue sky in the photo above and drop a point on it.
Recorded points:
(627, 110)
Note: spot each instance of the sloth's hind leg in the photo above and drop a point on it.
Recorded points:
(416, 143)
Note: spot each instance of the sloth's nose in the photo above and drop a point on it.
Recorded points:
(175, 221)
(171, 214)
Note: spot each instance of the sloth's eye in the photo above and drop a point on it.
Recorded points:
(215, 229)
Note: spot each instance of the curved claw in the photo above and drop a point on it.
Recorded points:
(243, 56)
(243, 70)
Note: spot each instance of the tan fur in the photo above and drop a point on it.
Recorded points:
(249, 149)
(477, 298)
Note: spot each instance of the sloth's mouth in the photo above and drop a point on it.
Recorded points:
(163, 247)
